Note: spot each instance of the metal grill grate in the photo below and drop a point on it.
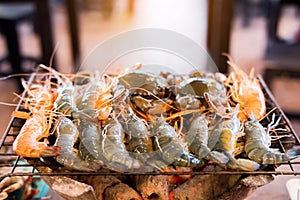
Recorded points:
(19, 166)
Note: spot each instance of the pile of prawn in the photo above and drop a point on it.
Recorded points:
(141, 122)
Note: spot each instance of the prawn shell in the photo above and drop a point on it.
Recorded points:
(193, 86)
(254, 104)
(67, 136)
(246, 90)
(138, 78)
(26, 143)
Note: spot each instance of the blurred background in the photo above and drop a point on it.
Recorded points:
(260, 34)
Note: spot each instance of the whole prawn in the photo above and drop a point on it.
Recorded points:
(172, 150)
(27, 142)
(67, 135)
(88, 115)
(257, 142)
(197, 139)
(223, 135)
(246, 91)
(139, 142)
(39, 101)
(114, 150)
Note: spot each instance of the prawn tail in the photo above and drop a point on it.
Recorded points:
(50, 151)
(217, 158)
(38, 151)
(74, 162)
(187, 160)
(243, 164)
(293, 152)
(273, 157)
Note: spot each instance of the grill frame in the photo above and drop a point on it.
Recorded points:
(38, 167)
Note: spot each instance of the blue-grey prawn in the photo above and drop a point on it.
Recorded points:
(257, 145)
(113, 149)
(67, 134)
(223, 135)
(197, 139)
(139, 142)
(170, 147)
(90, 136)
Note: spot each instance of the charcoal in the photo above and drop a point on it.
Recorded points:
(245, 187)
(152, 187)
(204, 187)
(70, 189)
(121, 191)
(101, 183)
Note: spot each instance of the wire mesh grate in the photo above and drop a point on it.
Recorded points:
(19, 166)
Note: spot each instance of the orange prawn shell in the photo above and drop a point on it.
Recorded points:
(253, 101)
(25, 144)
(246, 90)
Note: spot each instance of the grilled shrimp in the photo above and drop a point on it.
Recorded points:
(114, 150)
(246, 91)
(139, 140)
(67, 135)
(172, 150)
(223, 135)
(138, 136)
(89, 131)
(89, 146)
(27, 142)
(257, 142)
(197, 138)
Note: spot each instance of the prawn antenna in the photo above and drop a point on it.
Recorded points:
(14, 75)
(53, 53)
